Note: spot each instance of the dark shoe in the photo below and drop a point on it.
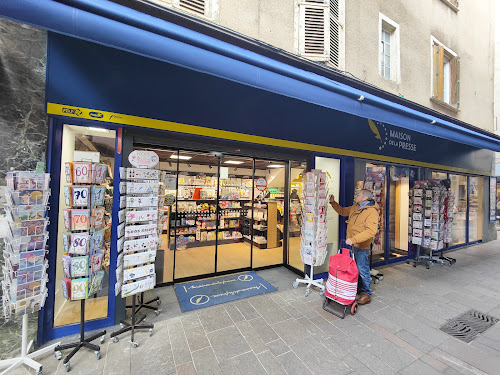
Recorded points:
(364, 299)
(358, 296)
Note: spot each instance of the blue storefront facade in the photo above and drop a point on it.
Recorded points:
(152, 81)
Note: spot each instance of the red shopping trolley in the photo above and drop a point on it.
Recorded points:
(342, 283)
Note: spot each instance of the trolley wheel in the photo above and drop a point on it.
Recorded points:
(381, 277)
(322, 292)
(68, 367)
(58, 355)
(376, 280)
(157, 312)
(407, 262)
(98, 354)
(135, 344)
(116, 339)
(354, 308)
(415, 264)
(122, 325)
(158, 302)
(103, 337)
(150, 332)
(295, 284)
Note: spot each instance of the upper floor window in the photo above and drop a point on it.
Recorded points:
(321, 31)
(389, 48)
(445, 74)
(203, 8)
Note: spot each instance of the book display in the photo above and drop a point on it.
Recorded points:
(431, 220)
(313, 248)
(24, 271)
(140, 223)
(84, 243)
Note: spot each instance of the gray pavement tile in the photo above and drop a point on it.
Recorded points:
(291, 332)
(354, 364)
(485, 349)
(292, 364)
(312, 328)
(340, 344)
(413, 340)
(371, 361)
(304, 308)
(277, 347)
(269, 310)
(205, 362)
(397, 341)
(196, 338)
(471, 355)
(118, 357)
(243, 364)
(251, 336)
(433, 362)
(246, 309)
(292, 311)
(85, 360)
(180, 347)
(233, 312)
(318, 359)
(214, 319)
(325, 325)
(487, 341)
(456, 363)
(152, 356)
(227, 343)
(419, 367)
(270, 363)
(452, 371)
(186, 369)
(264, 330)
(190, 320)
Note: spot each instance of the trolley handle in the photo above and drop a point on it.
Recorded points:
(343, 245)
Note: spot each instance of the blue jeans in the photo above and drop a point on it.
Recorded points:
(363, 263)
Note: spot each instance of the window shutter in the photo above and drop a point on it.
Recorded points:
(435, 71)
(439, 71)
(314, 29)
(455, 80)
(195, 6)
(335, 32)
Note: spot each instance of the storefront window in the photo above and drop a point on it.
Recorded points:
(400, 183)
(297, 174)
(458, 185)
(86, 145)
(439, 175)
(475, 208)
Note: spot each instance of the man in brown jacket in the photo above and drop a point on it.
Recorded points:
(362, 225)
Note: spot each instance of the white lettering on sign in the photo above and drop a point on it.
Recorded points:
(401, 140)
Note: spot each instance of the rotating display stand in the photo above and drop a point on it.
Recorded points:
(313, 248)
(138, 238)
(24, 273)
(83, 245)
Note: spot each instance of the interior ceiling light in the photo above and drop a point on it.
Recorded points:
(276, 166)
(181, 157)
(233, 162)
(98, 129)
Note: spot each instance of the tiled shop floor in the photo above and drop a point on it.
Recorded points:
(287, 333)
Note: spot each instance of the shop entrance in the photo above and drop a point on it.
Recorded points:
(222, 213)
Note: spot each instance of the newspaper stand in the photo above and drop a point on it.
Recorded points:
(313, 248)
(138, 237)
(24, 273)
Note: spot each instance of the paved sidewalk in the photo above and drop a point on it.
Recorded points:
(287, 333)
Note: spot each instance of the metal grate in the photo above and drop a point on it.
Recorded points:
(467, 326)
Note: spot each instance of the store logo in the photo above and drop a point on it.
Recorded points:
(382, 138)
(199, 299)
(72, 111)
(114, 116)
(96, 114)
(245, 277)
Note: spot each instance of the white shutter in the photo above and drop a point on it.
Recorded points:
(314, 30)
(335, 33)
(195, 6)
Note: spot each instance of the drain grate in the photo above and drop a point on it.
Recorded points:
(468, 325)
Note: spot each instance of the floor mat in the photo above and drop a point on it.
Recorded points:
(208, 292)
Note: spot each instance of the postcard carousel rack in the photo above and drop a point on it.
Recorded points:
(24, 273)
(83, 245)
(313, 248)
(138, 237)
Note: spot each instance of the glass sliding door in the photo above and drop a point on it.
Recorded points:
(195, 216)
(235, 197)
(297, 177)
(458, 185)
(85, 144)
(475, 209)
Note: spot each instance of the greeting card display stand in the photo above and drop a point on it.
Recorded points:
(24, 273)
(146, 305)
(138, 237)
(431, 221)
(313, 248)
(83, 244)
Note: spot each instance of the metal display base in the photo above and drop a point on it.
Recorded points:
(429, 260)
(83, 343)
(135, 324)
(25, 358)
(145, 305)
(309, 281)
